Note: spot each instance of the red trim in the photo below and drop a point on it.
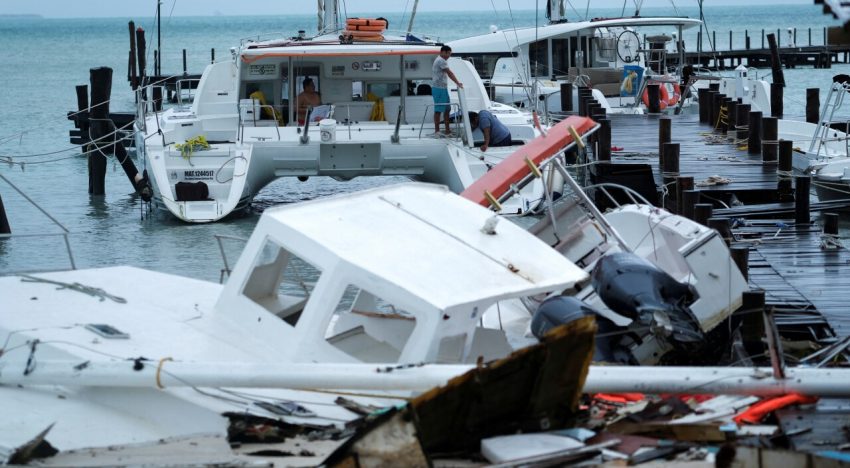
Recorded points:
(254, 58)
(498, 180)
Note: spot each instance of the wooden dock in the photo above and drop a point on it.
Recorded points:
(804, 283)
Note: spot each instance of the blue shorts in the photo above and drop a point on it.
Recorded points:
(441, 99)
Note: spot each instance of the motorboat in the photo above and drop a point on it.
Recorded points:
(616, 57)
(661, 283)
(378, 292)
(208, 157)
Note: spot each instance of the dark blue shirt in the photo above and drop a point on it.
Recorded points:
(498, 132)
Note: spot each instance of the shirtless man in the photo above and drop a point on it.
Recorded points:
(307, 99)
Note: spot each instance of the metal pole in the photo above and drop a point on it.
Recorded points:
(158, 71)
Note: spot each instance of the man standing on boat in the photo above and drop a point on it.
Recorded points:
(439, 88)
(495, 132)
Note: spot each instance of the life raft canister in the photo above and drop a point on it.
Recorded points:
(365, 29)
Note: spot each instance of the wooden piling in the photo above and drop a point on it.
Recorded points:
(566, 97)
(101, 89)
(716, 104)
(786, 150)
(134, 77)
(812, 105)
(769, 143)
(82, 121)
(157, 98)
(775, 60)
(603, 142)
(754, 135)
(802, 199)
(212, 55)
(670, 166)
(184, 62)
(724, 227)
(584, 94)
(689, 200)
(702, 213)
(830, 223)
(742, 122)
(776, 103)
(741, 256)
(731, 116)
(683, 184)
(752, 321)
(714, 87)
(723, 121)
(702, 96)
(4, 221)
(654, 96)
(665, 127)
(141, 54)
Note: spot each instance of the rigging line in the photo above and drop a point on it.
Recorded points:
(578, 15)
(4, 139)
(72, 148)
(526, 71)
(404, 11)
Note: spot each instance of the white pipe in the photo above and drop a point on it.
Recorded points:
(352, 376)
(601, 379)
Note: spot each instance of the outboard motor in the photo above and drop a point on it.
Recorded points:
(561, 310)
(637, 289)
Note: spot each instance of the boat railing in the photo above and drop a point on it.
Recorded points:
(64, 234)
(256, 108)
(225, 271)
(454, 108)
(187, 83)
(262, 37)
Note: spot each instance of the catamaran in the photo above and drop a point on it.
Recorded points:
(371, 115)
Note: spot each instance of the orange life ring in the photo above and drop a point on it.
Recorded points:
(366, 22)
(677, 94)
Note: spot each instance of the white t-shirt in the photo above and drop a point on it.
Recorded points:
(438, 72)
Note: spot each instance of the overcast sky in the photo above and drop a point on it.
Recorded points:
(138, 8)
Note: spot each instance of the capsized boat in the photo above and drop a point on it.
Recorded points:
(244, 128)
(660, 282)
(377, 292)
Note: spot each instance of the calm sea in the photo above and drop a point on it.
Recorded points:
(41, 60)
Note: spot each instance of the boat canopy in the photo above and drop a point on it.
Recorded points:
(509, 39)
(297, 49)
(421, 239)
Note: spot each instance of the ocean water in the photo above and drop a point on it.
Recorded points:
(41, 60)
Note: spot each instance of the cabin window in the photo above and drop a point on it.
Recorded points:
(281, 282)
(368, 327)
(538, 55)
(383, 90)
(485, 64)
(561, 57)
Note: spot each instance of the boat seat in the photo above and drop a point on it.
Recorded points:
(252, 115)
(605, 79)
(415, 107)
(354, 111)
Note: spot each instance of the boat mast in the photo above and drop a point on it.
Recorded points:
(412, 16)
(555, 11)
(328, 15)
